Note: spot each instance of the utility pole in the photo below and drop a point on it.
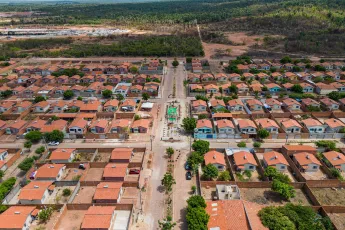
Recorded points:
(152, 137)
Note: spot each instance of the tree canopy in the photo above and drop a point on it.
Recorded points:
(201, 146)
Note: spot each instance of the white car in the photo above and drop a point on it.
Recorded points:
(53, 143)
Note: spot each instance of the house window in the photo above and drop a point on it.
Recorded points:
(220, 167)
(252, 130)
(320, 129)
(79, 130)
(251, 167)
(314, 167)
(282, 167)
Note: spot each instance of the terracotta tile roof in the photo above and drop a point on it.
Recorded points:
(128, 102)
(235, 102)
(252, 210)
(196, 87)
(198, 103)
(61, 154)
(214, 157)
(337, 84)
(112, 102)
(290, 101)
(17, 124)
(145, 123)
(276, 74)
(49, 170)
(272, 85)
(242, 86)
(272, 101)
(37, 124)
(288, 85)
(288, 123)
(100, 210)
(222, 115)
(304, 159)
(90, 106)
(76, 103)
(78, 122)
(120, 123)
(15, 217)
(7, 104)
(96, 222)
(273, 158)
(24, 104)
(304, 85)
(121, 153)
(204, 123)
(252, 102)
(243, 123)
(328, 101)
(108, 191)
(333, 123)
(266, 123)
(215, 102)
(211, 86)
(115, 170)
(34, 190)
(325, 86)
(309, 101)
(262, 75)
(102, 123)
(241, 158)
(42, 104)
(299, 148)
(335, 158)
(289, 74)
(225, 123)
(311, 122)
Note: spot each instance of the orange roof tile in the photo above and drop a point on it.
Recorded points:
(100, 210)
(145, 123)
(304, 158)
(243, 123)
(61, 154)
(120, 123)
(288, 123)
(214, 157)
(333, 123)
(243, 157)
(204, 123)
(115, 170)
(112, 102)
(225, 123)
(311, 122)
(34, 190)
(335, 158)
(121, 153)
(198, 103)
(273, 158)
(266, 123)
(49, 170)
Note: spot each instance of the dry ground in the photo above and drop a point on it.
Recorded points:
(328, 196)
(72, 220)
(102, 157)
(52, 199)
(72, 173)
(94, 174)
(49, 225)
(338, 219)
(84, 195)
(268, 197)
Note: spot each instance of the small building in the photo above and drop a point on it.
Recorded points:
(128, 105)
(244, 161)
(306, 162)
(268, 124)
(333, 125)
(246, 126)
(111, 105)
(292, 104)
(235, 105)
(3, 154)
(52, 172)
(99, 126)
(217, 104)
(227, 192)
(225, 126)
(329, 104)
(78, 126)
(62, 155)
(99, 217)
(199, 106)
(273, 87)
(313, 125)
(36, 192)
(276, 160)
(140, 126)
(115, 172)
(293, 149)
(254, 104)
(119, 126)
(121, 155)
(324, 89)
(15, 127)
(41, 107)
(215, 158)
(204, 126)
(273, 104)
(17, 217)
(336, 159)
(291, 126)
(108, 192)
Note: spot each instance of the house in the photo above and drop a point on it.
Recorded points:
(242, 88)
(60, 90)
(136, 89)
(121, 155)
(128, 78)
(309, 103)
(114, 79)
(199, 106)
(216, 159)
(276, 160)
(41, 107)
(225, 126)
(193, 78)
(304, 76)
(336, 159)
(111, 105)
(306, 162)
(63, 79)
(254, 104)
(102, 78)
(2, 124)
(292, 104)
(99, 126)
(48, 79)
(221, 77)
(243, 68)
(234, 77)
(119, 126)
(140, 126)
(256, 87)
(50, 172)
(22, 106)
(272, 104)
(324, 89)
(99, 217)
(151, 88)
(313, 125)
(307, 88)
(333, 75)
(277, 76)
(249, 76)
(108, 192)
(78, 126)
(217, 104)
(6, 105)
(288, 86)
(58, 156)
(268, 124)
(291, 126)
(75, 79)
(59, 106)
(15, 127)
(128, 105)
(204, 126)
(235, 105)
(207, 77)
(18, 217)
(211, 88)
(36, 192)
(339, 86)
(329, 104)
(36, 125)
(246, 126)
(122, 89)
(289, 66)
(273, 87)
(290, 76)
(115, 172)
(244, 161)
(333, 125)
(262, 77)
(88, 79)
(264, 66)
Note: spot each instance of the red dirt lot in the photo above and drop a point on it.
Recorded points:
(94, 174)
(84, 195)
(72, 220)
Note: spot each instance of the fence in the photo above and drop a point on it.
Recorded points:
(11, 194)
(75, 192)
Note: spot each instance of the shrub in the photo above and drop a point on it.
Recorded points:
(26, 164)
(331, 145)
(224, 176)
(257, 144)
(6, 186)
(210, 172)
(66, 192)
(45, 214)
(242, 144)
(40, 150)
(33, 136)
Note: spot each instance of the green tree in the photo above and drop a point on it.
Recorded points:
(28, 145)
(285, 190)
(39, 99)
(40, 150)
(210, 172)
(54, 118)
(263, 133)
(6, 93)
(189, 124)
(33, 136)
(168, 181)
(170, 152)
(45, 214)
(224, 176)
(66, 192)
(285, 60)
(275, 220)
(296, 69)
(202, 116)
(133, 69)
(68, 94)
(201, 146)
(242, 144)
(2, 174)
(197, 218)
(166, 224)
(233, 89)
(107, 93)
(3, 208)
(120, 97)
(297, 88)
(319, 68)
(6, 186)
(26, 164)
(330, 145)
(79, 98)
(55, 135)
(175, 63)
(194, 160)
(257, 144)
(196, 201)
(146, 96)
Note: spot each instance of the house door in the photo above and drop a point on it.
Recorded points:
(292, 130)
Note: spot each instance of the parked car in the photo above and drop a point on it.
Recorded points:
(187, 166)
(188, 175)
(82, 166)
(54, 143)
(134, 171)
